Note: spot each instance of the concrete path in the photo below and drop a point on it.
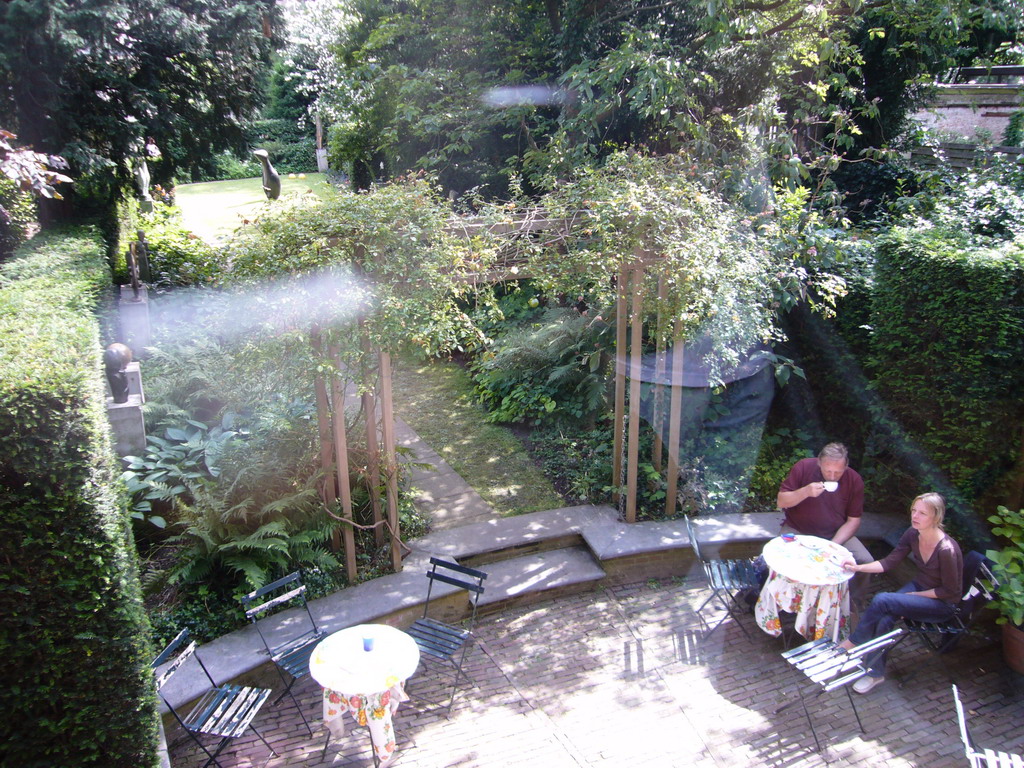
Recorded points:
(620, 677)
(440, 493)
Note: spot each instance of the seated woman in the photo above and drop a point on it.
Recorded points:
(931, 596)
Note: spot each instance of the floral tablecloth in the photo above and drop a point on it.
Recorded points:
(371, 710)
(363, 670)
(814, 587)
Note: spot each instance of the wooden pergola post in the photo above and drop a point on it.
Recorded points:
(344, 480)
(390, 457)
(635, 349)
(675, 414)
(658, 394)
(620, 380)
(328, 490)
(372, 446)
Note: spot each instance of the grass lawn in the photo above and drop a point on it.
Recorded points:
(215, 209)
(436, 400)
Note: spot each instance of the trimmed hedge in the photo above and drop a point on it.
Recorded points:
(75, 688)
(947, 345)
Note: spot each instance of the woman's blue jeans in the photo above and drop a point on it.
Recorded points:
(887, 607)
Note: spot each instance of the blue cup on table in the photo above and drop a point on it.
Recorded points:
(367, 644)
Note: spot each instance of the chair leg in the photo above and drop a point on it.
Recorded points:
(265, 742)
(295, 701)
(853, 706)
(810, 722)
(728, 609)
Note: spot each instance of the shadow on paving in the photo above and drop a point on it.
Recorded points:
(621, 676)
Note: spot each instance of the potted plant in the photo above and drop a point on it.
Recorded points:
(1009, 570)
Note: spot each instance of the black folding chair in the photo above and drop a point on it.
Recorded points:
(225, 711)
(726, 578)
(292, 655)
(986, 758)
(439, 640)
(978, 586)
(830, 667)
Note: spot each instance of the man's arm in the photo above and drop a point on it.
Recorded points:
(847, 530)
(787, 499)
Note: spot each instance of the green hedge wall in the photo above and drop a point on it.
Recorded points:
(947, 352)
(75, 688)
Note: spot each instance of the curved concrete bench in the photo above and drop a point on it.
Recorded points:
(528, 558)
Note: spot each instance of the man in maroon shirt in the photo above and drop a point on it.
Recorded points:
(824, 497)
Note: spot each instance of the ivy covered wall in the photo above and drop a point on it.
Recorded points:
(947, 346)
(75, 687)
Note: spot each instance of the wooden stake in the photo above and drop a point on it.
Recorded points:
(372, 446)
(390, 457)
(674, 427)
(620, 381)
(633, 440)
(328, 490)
(344, 478)
(658, 393)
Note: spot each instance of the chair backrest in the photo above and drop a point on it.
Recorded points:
(694, 544)
(272, 597)
(442, 570)
(978, 584)
(965, 735)
(183, 656)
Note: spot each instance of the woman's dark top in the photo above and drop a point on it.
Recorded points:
(944, 571)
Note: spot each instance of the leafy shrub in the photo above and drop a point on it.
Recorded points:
(177, 257)
(76, 687)
(1014, 136)
(552, 370)
(948, 320)
(184, 458)
(17, 215)
(219, 546)
(780, 449)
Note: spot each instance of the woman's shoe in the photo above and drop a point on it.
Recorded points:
(866, 683)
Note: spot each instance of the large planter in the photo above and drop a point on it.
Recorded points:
(1013, 647)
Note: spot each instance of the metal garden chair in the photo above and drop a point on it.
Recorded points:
(726, 578)
(978, 586)
(290, 656)
(225, 711)
(830, 667)
(442, 641)
(985, 758)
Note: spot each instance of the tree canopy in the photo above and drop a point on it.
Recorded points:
(483, 91)
(96, 81)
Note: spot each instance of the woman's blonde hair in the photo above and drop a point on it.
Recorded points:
(936, 502)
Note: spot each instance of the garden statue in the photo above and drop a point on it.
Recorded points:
(271, 179)
(115, 359)
(142, 179)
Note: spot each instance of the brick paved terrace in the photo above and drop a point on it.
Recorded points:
(619, 677)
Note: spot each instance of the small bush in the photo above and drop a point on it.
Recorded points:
(550, 371)
(177, 257)
(17, 215)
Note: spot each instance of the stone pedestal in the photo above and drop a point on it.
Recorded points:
(127, 425)
(321, 161)
(134, 315)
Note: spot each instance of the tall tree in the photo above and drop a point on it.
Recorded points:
(95, 80)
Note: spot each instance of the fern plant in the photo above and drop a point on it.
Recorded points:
(551, 371)
(214, 542)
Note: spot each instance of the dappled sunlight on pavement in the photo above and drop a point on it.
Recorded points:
(621, 676)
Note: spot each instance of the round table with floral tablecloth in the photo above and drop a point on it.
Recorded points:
(806, 578)
(363, 670)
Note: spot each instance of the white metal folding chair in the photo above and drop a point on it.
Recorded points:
(829, 667)
(986, 758)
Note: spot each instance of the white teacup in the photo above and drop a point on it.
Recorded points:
(830, 485)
